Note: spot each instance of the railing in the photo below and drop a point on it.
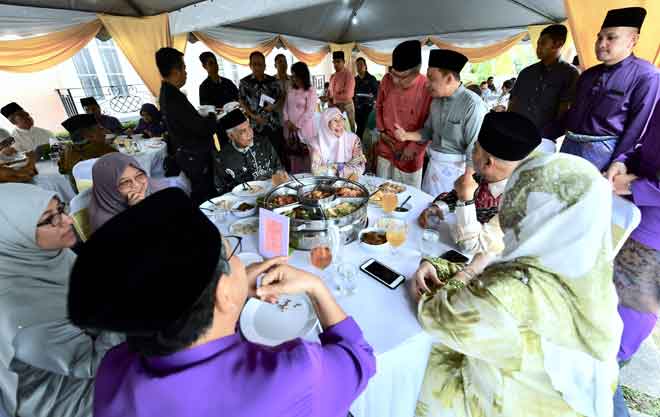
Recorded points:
(121, 101)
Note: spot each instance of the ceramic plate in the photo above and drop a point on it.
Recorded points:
(258, 188)
(273, 324)
(245, 227)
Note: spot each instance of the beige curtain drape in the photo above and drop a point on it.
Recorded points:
(180, 42)
(238, 55)
(310, 58)
(42, 52)
(139, 38)
(567, 52)
(586, 16)
(483, 53)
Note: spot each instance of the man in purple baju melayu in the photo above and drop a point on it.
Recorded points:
(176, 289)
(615, 99)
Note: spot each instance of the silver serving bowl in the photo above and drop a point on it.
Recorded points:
(319, 214)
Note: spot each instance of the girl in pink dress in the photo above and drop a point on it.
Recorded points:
(298, 112)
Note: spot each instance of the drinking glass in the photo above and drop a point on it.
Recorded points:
(389, 202)
(219, 214)
(396, 232)
(430, 239)
(345, 279)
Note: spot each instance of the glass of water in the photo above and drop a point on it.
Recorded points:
(345, 279)
(429, 242)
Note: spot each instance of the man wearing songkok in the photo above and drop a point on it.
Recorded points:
(179, 308)
(615, 99)
(246, 158)
(545, 91)
(636, 176)
(88, 141)
(342, 87)
(109, 123)
(190, 134)
(261, 95)
(27, 136)
(29, 174)
(403, 99)
(452, 126)
(505, 140)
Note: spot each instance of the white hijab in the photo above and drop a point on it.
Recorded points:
(334, 149)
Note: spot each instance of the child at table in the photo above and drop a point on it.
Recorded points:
(336, 151)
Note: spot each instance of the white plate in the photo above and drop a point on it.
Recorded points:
(270, 325)
(235, 228)
(402, 215)
(241, 214)
(264, 187)
(15, 161)
(225, 201)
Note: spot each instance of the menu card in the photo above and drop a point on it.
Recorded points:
(273, 234)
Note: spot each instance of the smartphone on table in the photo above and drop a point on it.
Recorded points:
(383, 274)
(453, 256)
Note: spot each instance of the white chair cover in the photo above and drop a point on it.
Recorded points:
(82, 173)
(81, 201)
(625, 218)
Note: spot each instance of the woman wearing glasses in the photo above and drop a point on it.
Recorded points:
(47, 365)
(119, 183)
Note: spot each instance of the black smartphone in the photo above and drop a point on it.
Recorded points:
(382, 274)
(453, 256)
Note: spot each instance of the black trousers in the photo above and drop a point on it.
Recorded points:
(361, 118)
(198, 168)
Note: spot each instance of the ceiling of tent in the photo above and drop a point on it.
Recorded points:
(387, 19)
(116, 7)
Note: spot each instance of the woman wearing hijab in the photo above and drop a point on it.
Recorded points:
(119, 183)
(47, 364)
(151, 122)
(336, 151)
(537, 333)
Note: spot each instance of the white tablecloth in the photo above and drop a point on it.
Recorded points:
(387, 317)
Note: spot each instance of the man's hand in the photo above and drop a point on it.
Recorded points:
(617, 168)
(465, 187)
(424, 218)
(8, 151)
(425, 275)
(400, 134)
(285, 279)
(291, 127)
(253, 271)
(269, 108)
(622, 183)
(409, 153)
(387, 139)
(260, 120)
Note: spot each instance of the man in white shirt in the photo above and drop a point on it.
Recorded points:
(27, 136)
(505, 140)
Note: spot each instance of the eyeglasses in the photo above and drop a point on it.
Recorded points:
(236, 243)
(55, 219)
(130, 183)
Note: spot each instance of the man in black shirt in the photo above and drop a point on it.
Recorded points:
(247, 158)
(190, 135)
(366, 91)
(215, 90)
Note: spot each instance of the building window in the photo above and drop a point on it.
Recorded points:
(87, 74)
(112, 67)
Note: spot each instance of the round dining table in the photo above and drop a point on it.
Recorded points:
(387, 317)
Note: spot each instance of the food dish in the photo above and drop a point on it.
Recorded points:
(391, 187)
(245, 227)
(283, 200)
(243, 209)
(402, 212)
(374, 239)
(348, 192)
(340, 210)
(318, 194)
(302, 213)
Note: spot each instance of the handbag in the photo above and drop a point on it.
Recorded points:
(295, 145)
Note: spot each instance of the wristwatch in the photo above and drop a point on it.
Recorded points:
(461, 203)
